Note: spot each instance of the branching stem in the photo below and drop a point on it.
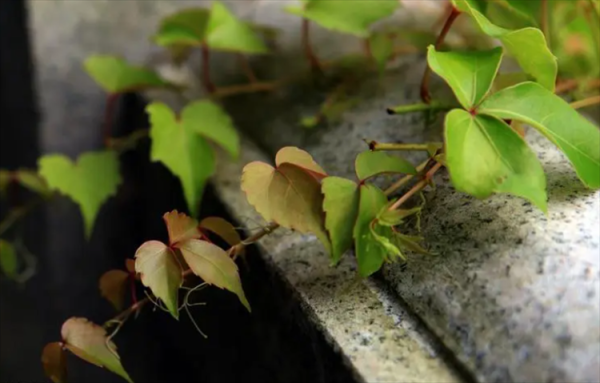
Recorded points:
(419, 107)
(206, 81)
(417, 187)
(109, 111)
(394, 146)
(248, 71)
(308, 50)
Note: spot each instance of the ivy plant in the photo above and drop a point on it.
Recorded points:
(483, 148)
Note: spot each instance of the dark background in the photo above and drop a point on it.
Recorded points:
(274, 343)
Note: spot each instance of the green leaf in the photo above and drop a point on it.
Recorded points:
(469, 74)
(228, 33)
(370, 254)
(527, 45)
(383, 239)
(369, 164)
(160, 272)
(395, 217)
(88, 341)
(211, 121)
(486, 156)
(214, 266)
(89, 182)
(183, 28)
(531, 8)
(289, 195)
(340, 16)
(576, 136)
(341, 207)
(115, 75)
(182, 150)
(8, 259)
(55, 362)
(32, 181)
(113, 286)
(180, 227)
(382, 49)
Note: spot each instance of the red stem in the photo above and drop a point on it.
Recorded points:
(132, 287)
(308, 51)
(109, 111)
(208, 85)
(425, 96)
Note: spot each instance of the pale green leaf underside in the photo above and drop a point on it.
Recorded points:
(528, 46)
(211, 121)
(469, 74)
(340, 16)
(87, 340)
(485, 156)
(89, 182)
(8, 259)
(182, 150)
(116, 75)
(214, 266)
(576, 136)
(370, 254)
(226, 32)
(160, 272)
(372, 163)
(186, 27)
(341, 207)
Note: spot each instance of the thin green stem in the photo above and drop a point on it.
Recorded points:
(406, 179)
(418, 107)
(18, 213)
(394, 146)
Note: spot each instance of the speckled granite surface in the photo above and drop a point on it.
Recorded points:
(513, 292)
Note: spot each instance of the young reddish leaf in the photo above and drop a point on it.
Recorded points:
(113, 285)
(115, 75)
(87, 341)
(575, 135)
(288, 195)
(160, 272)
(214, 266)
(55, 362)
(181, 227)
(369, 164)
(341, 207)
(8, 259)
(293, 155)
(370, 254)
(222, 228)
(89, 182)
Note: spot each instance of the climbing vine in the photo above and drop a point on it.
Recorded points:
(556, 45)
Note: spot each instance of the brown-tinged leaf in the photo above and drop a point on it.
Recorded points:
(214, 266)
(287, 195)
(222, 228)
(113, 285)
(293, 155)
(55, 362)
(160, 272)
(180, 226)
(87, 341)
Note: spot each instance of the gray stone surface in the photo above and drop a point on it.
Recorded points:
(512, 292)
